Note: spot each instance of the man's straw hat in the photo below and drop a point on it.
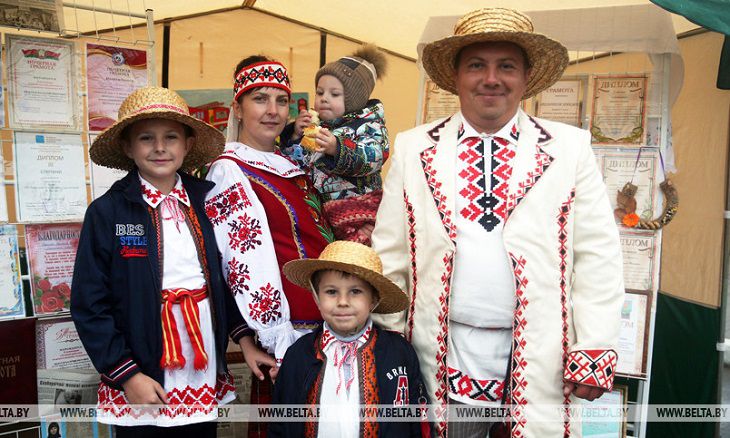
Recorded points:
(547, 56)
(156, 103)
(354, 258)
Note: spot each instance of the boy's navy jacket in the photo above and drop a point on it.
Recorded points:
(116, 287)
(394, 358)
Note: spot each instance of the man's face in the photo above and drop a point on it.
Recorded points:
(491, 79)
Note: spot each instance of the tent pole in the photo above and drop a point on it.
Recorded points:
(151, 64)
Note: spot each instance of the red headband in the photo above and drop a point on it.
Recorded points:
(261, 74)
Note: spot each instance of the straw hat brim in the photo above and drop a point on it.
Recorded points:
(107, 149)
(392, 297)
(548, 57)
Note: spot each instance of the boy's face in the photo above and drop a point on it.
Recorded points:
(330, 99)
(158, 147)
(345, 301)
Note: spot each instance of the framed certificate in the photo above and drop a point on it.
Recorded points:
(437, 103)
(41, 86)
(102, 178)
(605, 417)
(640, 251)
(12, 304)
(634, 334)
(563, 101)
(58, 345)
(112, 74)
(640, 167)
(51, 255)
(50, 177)
(618, 114)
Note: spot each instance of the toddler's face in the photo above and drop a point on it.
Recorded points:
(158, 148)
(330, 99)
(345, 302)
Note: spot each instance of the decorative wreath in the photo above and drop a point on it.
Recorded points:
(626, 207)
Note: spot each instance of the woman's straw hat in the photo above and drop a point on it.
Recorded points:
(547, 57)
(354, 258)
(154, 103)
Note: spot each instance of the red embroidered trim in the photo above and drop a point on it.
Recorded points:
(592, 367)
(414, 268)
(369, 394)
(221, 206)
(261, 74)
(244, 233)
(174, 108)
(518, 382)
(238, 277)
(563, 215)
(461, 383)
(265, 304)
(150, 194)
(435, 186)
(442, 375)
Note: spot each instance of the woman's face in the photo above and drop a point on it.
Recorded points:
(263, 113)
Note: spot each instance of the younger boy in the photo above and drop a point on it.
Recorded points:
(349, 361)
(148, 296)
(350, 148)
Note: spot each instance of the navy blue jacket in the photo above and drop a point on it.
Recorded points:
(117, 283)
(395, 358)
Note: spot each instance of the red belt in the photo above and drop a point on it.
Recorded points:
(172, 356)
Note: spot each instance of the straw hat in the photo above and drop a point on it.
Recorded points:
(354, 258)
(153, 103)
(548, 57)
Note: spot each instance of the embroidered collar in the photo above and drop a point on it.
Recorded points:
(272, 162)
(329, 337)
(510, 131)
(154, 197)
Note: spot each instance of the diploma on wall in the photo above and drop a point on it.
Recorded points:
(619, 109)
(112, 74)
(607, 413)
(620, 166)
(41, 88)
(51, 255)
(12, 304)
(437, 103)
(59, 347)
(102, 178)
(50, 177)
(562, 102)
(640, 259)
(633, 335)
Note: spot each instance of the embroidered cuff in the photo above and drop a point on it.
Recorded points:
(120, 373)
(276, 340)
(240, 331)
(591, 367)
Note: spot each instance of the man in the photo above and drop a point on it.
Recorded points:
(498, 226)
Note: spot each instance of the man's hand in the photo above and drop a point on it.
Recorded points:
(254, 357)
(585, 392)
(141, 389)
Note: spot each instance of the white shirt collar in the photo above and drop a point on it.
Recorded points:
(154, 197)
(508, 131)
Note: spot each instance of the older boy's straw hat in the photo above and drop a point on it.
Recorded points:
(154, 103)
(354, 258)
(548, 57)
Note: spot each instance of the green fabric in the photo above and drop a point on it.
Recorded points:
(685, 363)
(713, 15)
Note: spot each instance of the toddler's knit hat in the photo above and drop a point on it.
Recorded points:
(357, 74)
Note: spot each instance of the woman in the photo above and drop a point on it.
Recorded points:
(265, 213)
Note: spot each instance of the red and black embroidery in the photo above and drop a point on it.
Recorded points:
(482, 390)
(563, 216)
(518, 382)
(224, 204)
(438, 197)
(592, 367)
(368, 384)
(151, 194)
(238, 276)
(414, 269)
(442, 390)
(244, 233)
(265, 304)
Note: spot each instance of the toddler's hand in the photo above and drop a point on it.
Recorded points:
(141, 389)
(254, 356)
(303, 120)
(327, 142)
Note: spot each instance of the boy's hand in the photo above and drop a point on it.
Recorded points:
(141, 389)
(327, 142)
(254, 356)
(303, 120)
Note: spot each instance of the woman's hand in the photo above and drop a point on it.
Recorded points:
(303, 120)
(141, 389)
(327, 142)
(254, 357)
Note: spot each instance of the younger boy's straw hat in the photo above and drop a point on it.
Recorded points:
(156, 103)
(547, 57)
(354, 258)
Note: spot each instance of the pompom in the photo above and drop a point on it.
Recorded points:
(370, 53)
